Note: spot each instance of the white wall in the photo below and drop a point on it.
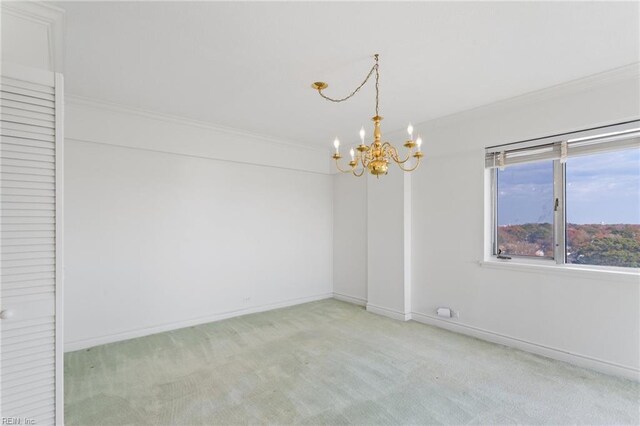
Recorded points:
(131, 177)
(589, 318)
(388, 209)
(350, 238)
(160, 234)
(593, 316)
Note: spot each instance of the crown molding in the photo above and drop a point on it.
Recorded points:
(140, 112)
(617, 75)
(606, 78)
(53, 18)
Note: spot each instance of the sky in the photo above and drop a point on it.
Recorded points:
(601, 188)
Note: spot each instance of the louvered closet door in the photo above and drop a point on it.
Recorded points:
(29, 148)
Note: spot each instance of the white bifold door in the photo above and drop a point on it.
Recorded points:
(31, 231)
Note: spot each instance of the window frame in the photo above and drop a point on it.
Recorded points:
(558, 232)
(559, 218)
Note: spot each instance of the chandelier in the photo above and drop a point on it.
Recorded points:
(376, 156)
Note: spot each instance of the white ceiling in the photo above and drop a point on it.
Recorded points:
(250, 65)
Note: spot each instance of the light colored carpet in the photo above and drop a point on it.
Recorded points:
(332, 363)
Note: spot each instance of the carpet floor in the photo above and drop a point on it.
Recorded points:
(332, 363)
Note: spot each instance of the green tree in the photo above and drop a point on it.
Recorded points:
(611, 250)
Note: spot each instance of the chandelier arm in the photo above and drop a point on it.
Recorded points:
(387, 149)
(358, 174)
(340, 169)
(412, 168)
(358, 159)
(396, 156)
(362, 160)
(392, 152)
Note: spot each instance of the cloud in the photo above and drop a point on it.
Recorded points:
(604, 187)
(601, 187)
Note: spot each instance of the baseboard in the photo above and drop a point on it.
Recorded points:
(350, 299)
(546, 351)
(391, 313)
(117, 337)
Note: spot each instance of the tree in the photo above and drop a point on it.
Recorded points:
(611, 250)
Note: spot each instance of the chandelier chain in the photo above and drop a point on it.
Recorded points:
(374, 68)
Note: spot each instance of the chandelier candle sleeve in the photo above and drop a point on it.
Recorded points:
(375, 157)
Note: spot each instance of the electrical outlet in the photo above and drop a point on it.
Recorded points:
(246, 299)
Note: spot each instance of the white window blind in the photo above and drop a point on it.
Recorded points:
(609, 138)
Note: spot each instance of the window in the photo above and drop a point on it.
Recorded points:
(603, 209)
(569, 199)
(525, 209)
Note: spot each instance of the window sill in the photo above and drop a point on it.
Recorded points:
(569, 270)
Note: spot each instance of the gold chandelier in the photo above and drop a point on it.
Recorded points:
(374, 157)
